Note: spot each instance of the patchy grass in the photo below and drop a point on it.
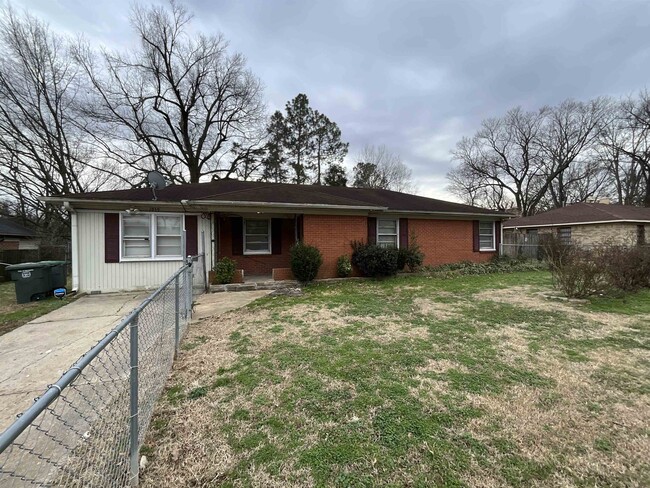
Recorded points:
(470, 381)
(13, 315)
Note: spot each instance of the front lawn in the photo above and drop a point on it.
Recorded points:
(468, 381)
(13, 315)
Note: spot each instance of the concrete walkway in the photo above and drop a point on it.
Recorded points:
(36, 354)
(213, 304)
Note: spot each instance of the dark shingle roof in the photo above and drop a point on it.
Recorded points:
(582, 213)
(10, 228)
(280, 193)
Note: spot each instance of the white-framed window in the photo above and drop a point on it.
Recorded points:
(257, 236)
(151, 236)
(388, 233)
(486, 235)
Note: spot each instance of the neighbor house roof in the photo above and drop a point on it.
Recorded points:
(10, 228)
(247, 193)
(583, 213)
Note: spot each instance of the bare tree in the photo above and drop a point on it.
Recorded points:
(180, 103)
(43, 142)
(570, 131)
(378, 167)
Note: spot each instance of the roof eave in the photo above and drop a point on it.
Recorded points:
(591, 222)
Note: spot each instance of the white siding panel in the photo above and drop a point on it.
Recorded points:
(96, 275)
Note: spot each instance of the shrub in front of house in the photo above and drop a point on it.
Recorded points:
(626, 268)
(413, 256)
(375, 261)
(305, 262)
(343, 266)
(224, 270)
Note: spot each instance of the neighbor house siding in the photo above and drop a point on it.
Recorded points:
(446, 241)
(616, 233)
(96, 275)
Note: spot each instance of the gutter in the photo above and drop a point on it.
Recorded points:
(565, 224)
(297, 206)
(74, 228)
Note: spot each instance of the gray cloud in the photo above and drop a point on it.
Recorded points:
(415, 76)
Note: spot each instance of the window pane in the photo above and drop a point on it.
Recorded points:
(387, 241)
(168, 246)
(257, 246)
(136, 225)
(486, 227)
(168, 225)
(387, 226)
(486, 243)
(136, 249)
(257, 237)
(257, 227)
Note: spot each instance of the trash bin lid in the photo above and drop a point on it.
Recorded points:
(18, 267)
(51, 263)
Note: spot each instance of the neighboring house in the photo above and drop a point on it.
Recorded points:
(584, 224)
(126, 239)
(15, 237)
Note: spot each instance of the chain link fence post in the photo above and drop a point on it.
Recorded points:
(134, 432)
(177, 313)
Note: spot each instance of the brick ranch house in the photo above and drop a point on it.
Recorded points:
(126, 239)
(581, 223)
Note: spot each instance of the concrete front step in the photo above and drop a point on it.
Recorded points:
(261, 285)
(275, 285)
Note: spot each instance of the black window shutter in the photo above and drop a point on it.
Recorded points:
(372, 230)
(191, 235)
(476, 240)
(237, 231)
(111, 238)
(276, 236)
(497, 235)
(403, 233)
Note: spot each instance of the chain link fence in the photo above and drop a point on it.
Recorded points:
(87, 428)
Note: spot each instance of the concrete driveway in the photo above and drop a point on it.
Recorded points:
(36, 354)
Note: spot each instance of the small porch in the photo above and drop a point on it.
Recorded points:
(259, 243)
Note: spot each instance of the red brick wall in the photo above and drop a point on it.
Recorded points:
(446, 241)
(332, 234)
(257, 264)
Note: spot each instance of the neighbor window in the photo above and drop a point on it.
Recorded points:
(387, 231)
(151, 236)
(257, 236)
(640, 235)
(486, 236)
(564, 233)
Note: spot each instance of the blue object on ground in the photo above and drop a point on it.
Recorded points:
(60, 293)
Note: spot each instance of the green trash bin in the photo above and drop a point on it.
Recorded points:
(58, 274)
(33, 281)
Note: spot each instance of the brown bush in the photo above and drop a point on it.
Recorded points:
(579, 272)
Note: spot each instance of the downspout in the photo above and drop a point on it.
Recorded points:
(501, 239)
(74, 229)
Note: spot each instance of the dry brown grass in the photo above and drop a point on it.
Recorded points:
(580, 425)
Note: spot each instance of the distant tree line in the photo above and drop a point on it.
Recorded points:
(556, 156)
(75, 118)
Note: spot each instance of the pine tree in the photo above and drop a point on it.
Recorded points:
(274, 165)
(298, 142)
(328, 147)
(336, 175)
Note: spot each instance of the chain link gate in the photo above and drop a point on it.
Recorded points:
(86, 429)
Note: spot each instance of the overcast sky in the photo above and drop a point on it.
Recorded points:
(413, 75)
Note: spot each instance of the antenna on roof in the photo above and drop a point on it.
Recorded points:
(156, 182)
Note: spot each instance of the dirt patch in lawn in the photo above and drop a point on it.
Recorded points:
(437, 310)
